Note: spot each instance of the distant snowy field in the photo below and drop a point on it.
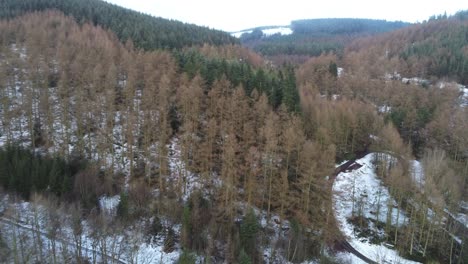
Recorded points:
(280, 30)
(267, 32)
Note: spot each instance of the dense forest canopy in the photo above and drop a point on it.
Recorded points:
(146, 32)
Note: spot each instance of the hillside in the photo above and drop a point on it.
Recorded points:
(312, 37)
(146, 32)
(213, 154)
(435, 49)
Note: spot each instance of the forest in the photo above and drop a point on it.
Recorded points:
(145, 31)
(312, 37)
(121, 145)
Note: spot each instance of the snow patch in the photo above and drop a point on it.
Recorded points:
(266, 32)
(340, 71)
(109, 204)
(417, 174)
(240, 33)
(278, 30)
(349, 258)
(384, 109)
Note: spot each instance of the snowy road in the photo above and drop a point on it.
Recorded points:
(358, 191)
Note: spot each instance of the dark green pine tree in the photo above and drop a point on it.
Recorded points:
(244, 258)
(248, 232)
(186, 227)
(123, 207)
(290, 95)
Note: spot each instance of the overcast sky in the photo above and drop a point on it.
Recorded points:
(235, 15)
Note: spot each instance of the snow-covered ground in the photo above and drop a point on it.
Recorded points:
(188, 181)
(417, 174)
(373, 200)
(340, 71)
(32, 223)
(464, 96)
(348, 258)
(267, 32)
(384, 109)
(109, 204)
(463, 99)
(280, 30)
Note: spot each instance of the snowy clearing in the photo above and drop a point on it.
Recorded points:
(33, 224)
(372, 200)
(280, 30)
(239, 33)
(285, 30)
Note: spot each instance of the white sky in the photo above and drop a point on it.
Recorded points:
(235, 15)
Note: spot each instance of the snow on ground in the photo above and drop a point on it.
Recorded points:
(463, 99)
(239, 34)
(184, 178)
(369, 192)
(417, 174)
(30, 220)
(280, 30)
(109, 204)
(464, 96)
(464, 205)
(462, 218)
(339, 164)
(384, 109)
(267, 32)
(340, 71)
(155, 254)
(188, 181)
(348, 258)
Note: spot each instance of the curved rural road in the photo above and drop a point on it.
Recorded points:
(341, 241)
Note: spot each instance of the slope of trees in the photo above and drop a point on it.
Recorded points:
(147, 32)
(78, 92)
(338, 26)
(312, 37)
(279, 85)
(433, 49)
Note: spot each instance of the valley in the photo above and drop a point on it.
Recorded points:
(157, 141)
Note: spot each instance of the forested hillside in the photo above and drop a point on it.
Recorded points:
(130, 152)
(312, 37)
(208, 147)
(434, 49)
(146, 32)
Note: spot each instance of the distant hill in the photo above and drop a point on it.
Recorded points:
(342, 26)
(311, 37)
(146, 31)
(437, 48)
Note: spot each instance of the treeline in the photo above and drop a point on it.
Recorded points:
(147, 32)
(25, 172)
(279, 85)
